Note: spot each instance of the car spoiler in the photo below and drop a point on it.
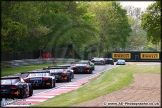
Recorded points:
(81, 63)
(62, 66)
(58, 66)
(15, 77)
(55, 68)
(36, 72)
(10, 78)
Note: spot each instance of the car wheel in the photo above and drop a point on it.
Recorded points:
(22, 94)
(69, 78)
(52, 84)
(31, 91)
(72, 75)
(90, 71)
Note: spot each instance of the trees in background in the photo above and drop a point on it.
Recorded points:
(35, 25)
(138, 39)
(113, 26)
(101, 26)
(151, 22)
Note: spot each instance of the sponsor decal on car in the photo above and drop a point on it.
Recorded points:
(149, 55)
(121, 55)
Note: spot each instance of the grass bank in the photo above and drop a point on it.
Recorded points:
(16, 70)
(107, 82)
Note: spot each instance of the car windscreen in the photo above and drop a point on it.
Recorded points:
(9, 81)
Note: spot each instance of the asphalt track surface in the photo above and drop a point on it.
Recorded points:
(44, 92)
(78, 76)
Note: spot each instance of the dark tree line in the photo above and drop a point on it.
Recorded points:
(35, 25)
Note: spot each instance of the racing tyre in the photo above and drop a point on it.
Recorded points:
(90, 72)
(69, 79)
(73, 75)
(52, 84)
(22, 94)
(31, 91)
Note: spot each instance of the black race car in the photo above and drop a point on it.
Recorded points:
(88, 63)
(15, 87)
(65, 66)
(40, 78)
(98, 61)
(68, 67)
(109, 61)
(61, 73)
(81, 67)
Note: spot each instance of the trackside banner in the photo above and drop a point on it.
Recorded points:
(121, 55)
(149, 55)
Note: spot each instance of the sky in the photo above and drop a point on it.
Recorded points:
(141, 4)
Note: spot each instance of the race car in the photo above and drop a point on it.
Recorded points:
(88, 62)
(68, 67)
(98, 61)
(120, 62)
(15, 87)
(61, 73)
(81, 67)
(40, 78)
(109, 61)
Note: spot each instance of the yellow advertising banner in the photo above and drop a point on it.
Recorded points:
(149, 55)
(121, 55)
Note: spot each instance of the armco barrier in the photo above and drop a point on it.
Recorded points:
(25, 62)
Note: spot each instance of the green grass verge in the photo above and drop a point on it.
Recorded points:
(16, 70)
(107, 82)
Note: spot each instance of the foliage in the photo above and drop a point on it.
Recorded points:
(98, 26)
(137, 37)
(38, 25)
(151, 22)
(113, 25)
(152, 47)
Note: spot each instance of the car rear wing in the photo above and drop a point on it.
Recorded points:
(54, 68)
(59, 66)
(15, 77)
(81, 63)
(41, 71)
(10, 78)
